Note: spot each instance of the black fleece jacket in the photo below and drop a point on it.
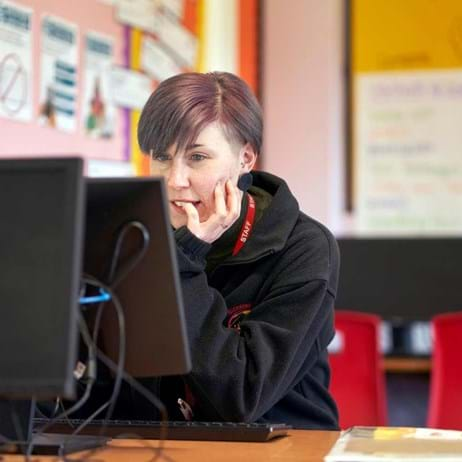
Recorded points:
(260, 322)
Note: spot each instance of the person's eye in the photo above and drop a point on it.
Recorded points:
(161, 157)
(197, 157)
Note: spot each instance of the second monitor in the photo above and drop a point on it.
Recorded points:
(129, 246)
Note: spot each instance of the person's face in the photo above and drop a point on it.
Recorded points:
(193, 174)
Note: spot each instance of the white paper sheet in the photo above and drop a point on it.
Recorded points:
(58, 77)
(156, 61)
(98, 109)
(15, 61)
(130, 89)
(408, 159)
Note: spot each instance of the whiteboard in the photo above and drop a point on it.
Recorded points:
(407, 134)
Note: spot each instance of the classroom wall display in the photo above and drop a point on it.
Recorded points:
(163, 19)
(130, 89)
(15, 62)
(140, 14)
(58, 73)
(156, 60)
(98, 109)
(84, 53)
(407, 107)
(197, 35)
(169, 45)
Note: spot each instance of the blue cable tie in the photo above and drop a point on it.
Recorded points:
(102, 297)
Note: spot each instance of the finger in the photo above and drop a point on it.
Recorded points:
(191, 212)
(233, 200)
(220, 204)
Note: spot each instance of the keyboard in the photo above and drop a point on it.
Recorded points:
(198, 431)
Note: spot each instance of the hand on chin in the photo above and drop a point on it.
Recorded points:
(227, 208)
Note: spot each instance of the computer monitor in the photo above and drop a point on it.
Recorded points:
(54, 225)
(149, 289)
(41, 209)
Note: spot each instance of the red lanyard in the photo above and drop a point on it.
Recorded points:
(246, 227)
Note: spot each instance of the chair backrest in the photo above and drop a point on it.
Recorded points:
(445, 404)
(358, 378)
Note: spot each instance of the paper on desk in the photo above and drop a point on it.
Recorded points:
(386, 444)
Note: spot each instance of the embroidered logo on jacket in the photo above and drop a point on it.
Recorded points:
(236, 314)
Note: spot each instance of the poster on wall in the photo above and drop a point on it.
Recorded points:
(173, 7)
(138, 13)
(175, 37)
(98, 110)
(15, 62)
(407, 103)
(58, 78)
(130, 89)
(156, 61)
(163, 19)
(408, 154)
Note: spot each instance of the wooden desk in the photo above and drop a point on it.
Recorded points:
(300, 445)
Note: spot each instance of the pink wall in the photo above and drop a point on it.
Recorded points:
(18, 138)
(302, 98)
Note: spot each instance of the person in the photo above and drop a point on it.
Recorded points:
(259, 277)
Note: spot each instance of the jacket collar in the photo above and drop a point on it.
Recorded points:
(272, 231)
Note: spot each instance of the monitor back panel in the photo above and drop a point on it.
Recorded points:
(150, 293)
(40, 233)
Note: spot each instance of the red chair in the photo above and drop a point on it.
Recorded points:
(445, 404)
(358, 378)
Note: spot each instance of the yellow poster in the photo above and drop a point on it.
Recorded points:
(406, 34)
(407, 108)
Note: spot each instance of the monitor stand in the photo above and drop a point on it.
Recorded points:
(16, 425)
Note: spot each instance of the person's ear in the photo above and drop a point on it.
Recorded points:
(248, 157)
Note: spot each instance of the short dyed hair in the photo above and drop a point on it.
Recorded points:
(183, 105)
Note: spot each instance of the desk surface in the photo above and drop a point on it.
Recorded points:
(300, 445)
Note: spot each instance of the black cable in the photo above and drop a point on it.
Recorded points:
(91, 380)
(132, 262)
(66, 412)
(127, 377)
(122, 350)
(149, 396)
(114, 277)
(110, 278)
(141, 389)
(114, 281)
(61, 405)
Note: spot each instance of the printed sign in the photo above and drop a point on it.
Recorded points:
(15, 62)
(58, 83)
